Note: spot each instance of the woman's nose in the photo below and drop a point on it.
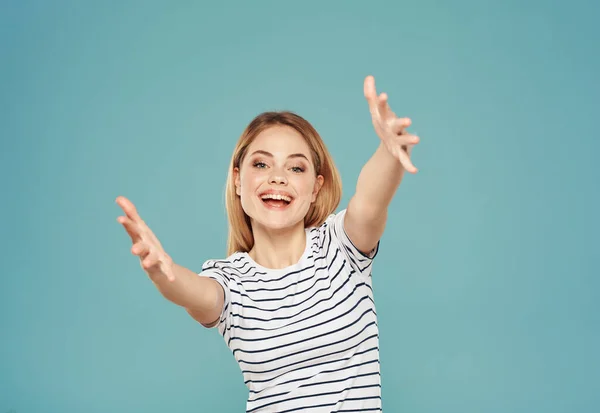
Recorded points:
(278, 178)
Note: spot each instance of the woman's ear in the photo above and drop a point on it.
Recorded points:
(318, 186)
(236, 180)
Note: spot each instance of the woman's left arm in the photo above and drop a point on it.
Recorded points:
(379, 179)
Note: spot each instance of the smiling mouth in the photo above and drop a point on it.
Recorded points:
(276, 201)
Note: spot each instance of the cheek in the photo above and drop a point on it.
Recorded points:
(304, 187)
(249, 182)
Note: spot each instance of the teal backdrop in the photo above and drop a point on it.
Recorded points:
(487, 281)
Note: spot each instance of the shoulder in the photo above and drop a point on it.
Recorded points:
(235, 266)
(330, 227)
(332, 233)
(221, 263)
(323, 238)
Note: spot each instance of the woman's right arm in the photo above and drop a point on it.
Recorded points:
(202, 297)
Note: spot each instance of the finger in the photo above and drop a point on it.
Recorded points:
(407, 139)
(383, 107)
(141, 249)
(131, 227)
(400, 124)
(150, 262)
(406, 162)
(370, 92)
(128, 207)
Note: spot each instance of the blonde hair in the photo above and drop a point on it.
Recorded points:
(240, 230)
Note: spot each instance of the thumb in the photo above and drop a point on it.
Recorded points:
(370, 92)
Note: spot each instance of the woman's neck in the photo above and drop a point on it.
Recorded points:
(278, 249)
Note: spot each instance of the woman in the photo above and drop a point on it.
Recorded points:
(293, 299)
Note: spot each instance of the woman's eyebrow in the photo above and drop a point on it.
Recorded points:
(265, 153)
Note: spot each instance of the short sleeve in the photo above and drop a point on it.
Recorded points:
(359, 261)
(224, 282)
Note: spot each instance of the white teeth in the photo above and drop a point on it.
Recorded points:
(276, 196)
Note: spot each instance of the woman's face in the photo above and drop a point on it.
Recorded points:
(276, 180)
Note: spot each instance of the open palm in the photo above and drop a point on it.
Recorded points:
(153, 258)
(390, 128)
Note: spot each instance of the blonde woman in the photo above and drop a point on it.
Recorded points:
(293, 298)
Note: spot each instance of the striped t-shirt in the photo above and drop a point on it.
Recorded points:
(305, 336)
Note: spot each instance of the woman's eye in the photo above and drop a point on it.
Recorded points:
(259, 164)
(297, 169)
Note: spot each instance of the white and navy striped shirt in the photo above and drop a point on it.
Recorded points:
(305, 336)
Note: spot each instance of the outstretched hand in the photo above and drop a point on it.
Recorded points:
(390, 129)
(153, 258)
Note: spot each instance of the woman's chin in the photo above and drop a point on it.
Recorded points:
(278, 224)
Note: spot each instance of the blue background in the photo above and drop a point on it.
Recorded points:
(486, 283)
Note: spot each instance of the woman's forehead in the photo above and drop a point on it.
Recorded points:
(280, 141)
